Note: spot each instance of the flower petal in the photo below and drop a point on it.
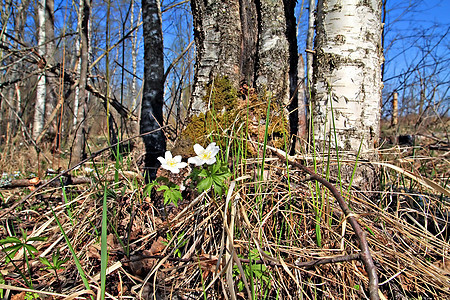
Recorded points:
(196, 161)
(181, 165)
(168, 155)
(174, 170)
(211, 161)
(213, 149)
(198, 149)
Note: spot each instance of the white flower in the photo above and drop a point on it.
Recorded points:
(173, 164)
(88, 170)
(207, 155)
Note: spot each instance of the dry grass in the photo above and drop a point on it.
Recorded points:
(274, 222)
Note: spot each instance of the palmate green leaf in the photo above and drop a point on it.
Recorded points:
(203, 173)
(148, 188)
(171, 194)
(10, 240)
(258, 270)
(37, 239)
(162, 188)
(11, 252)
(45, 262)
(30, 249)
(56, 263)
(59, 264)
(205, 184)
(218, 189)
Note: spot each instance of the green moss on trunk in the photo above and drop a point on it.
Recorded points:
(233, 113)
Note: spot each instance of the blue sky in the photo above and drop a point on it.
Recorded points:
(417, 51)
(406, 22)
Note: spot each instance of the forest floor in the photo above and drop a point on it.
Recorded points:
(270, 234)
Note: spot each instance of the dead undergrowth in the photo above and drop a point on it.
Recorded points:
(280, 238)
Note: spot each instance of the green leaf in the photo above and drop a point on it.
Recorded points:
(205, 184)
(13, 248)
(240, 286)
(45, 262)
(31, 249)
(162, 188)
(37, 239)
(172, 196)
(12, 252)
(10, 239)
(148, 188)
(203, 173)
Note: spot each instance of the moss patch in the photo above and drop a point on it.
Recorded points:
(233, 114)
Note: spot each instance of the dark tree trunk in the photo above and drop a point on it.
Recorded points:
(291, 34)
(52, 82)
(152, 98)
(249, 24)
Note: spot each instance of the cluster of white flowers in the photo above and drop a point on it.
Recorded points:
(204, 156)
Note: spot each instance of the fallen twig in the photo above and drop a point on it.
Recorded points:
(365, 255)
(65, 172)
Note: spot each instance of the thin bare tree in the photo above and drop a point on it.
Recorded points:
(80, 135)
(41, 89)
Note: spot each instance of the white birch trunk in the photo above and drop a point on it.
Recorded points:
(39, 109)
(347, 74)
(310, 43)
(273, 51)
(135, 105)
(133, 57)
(80, 135)
(51, 83)
(76, 100)
(217, 28)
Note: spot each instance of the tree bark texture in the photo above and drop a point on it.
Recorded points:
(217, 29)
(302, 131)
(50, 50)
(247, 41)
(347, 74)
(39, 108)
(80, 136)
(152, 98)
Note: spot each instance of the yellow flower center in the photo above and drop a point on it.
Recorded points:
(172, 162)
(206, 155)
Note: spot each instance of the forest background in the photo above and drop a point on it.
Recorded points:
(415, 40)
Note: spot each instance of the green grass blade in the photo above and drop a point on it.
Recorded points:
(74, 255)
(66, 201)
(104, 248)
